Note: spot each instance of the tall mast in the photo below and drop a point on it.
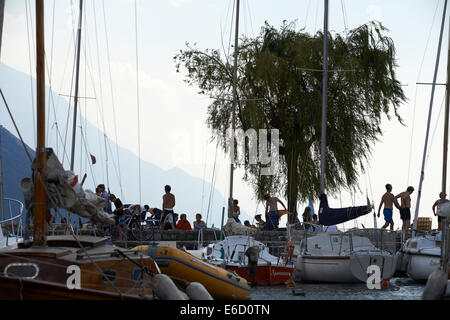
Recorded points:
(419, 192)
(2, 11)
(233, 125)
(324, 98)
(75, 109)
(444, 235)
(40, 206)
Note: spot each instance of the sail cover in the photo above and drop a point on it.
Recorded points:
(329, 216)
(65, 192)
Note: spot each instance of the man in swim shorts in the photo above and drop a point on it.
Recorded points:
(388, 201)
(405, 206)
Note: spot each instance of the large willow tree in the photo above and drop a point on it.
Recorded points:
(280, 87)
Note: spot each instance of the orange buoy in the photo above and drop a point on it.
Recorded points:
(385, 283)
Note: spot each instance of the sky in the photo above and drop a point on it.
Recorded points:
(127, 66)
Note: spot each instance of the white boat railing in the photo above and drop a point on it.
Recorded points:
(11, 221)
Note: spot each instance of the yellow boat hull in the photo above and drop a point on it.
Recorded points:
(220, 283)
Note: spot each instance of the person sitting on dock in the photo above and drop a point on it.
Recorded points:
(442, 199)
(155, 217)
(260, 224)
(183, 224)
(199, 223)
(105, 195)
(315, 224)
(236, 211)
(307, 217)
(388, 201)
(272, 214)
(168, 205)
(248, 225)
(405, 206)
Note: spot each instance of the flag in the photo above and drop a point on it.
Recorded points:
(93, 159)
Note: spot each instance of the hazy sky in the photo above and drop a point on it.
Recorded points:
(172, 114)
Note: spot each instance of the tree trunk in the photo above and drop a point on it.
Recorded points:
(292, 182)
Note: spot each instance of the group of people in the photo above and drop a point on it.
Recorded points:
(166, 219)
(389, 200)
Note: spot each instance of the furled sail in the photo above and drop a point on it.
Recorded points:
(329, 216)
(65, 192)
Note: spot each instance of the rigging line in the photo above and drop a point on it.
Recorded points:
(137, 98)
(60, 87)
(211, 191)
(307, 13)
(28, 16)
(115, 167)
(86, 146)
(315, 21)
(101, 95)
(249, 14)
(415, 94)
(112, 96)
(231, 29)
(344, 15)
(204, 171)
(15, 125)
(435, 127)
(51, 69)
(73, 74)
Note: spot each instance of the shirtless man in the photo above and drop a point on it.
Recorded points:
(167, 205)
(405, 206)
(442, 199)
(388, 200)
(272, 211)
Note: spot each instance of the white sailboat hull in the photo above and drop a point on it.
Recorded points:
(333, 269)
(420, 266)
(360, 262)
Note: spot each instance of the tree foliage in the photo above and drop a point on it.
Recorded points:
(280, 86)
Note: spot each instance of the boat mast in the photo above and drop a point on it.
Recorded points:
(2, 11)
(419, 192)
(40, 206)
(75, 110)
(324, 98)
(233, 126)
(444, 234)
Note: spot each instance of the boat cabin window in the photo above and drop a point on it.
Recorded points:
(22, 270)
(109, 275)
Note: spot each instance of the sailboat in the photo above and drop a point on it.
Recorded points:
(67, 266)
(423, 254)
(334, 256)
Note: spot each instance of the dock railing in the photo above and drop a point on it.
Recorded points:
(11, 219)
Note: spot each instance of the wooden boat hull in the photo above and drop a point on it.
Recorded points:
(15, 289)
(178, 264)
(63, 272)
(266, 275)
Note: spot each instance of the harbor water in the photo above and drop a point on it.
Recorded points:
(399, 289)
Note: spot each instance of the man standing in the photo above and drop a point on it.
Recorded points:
(272, 214)
(405, 206)
(168, 205)
(388, 200)
(442, 199)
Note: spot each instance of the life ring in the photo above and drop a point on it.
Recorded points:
(288, 252)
